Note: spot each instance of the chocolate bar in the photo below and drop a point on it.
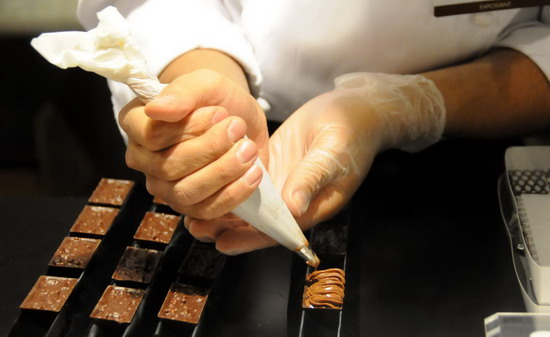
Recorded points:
(157, 227)
(94, 220)
(111, 192)
(118, 304)
(74, 252)
(49, 293)
(184, 303)
(202, 261)
(137, 265)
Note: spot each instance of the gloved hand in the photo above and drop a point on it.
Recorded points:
(323, 151)
(189, 142)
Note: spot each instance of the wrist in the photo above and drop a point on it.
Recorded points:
(409, 108)
(205, 59)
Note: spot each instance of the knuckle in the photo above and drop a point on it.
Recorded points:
(124, 116)
(165, 169)
(122, 121)
(226, 173)
(154, 137)
(217, 141)
(212, 148)
(186, 197)
(205, 213)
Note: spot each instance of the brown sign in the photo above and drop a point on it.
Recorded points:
(485, 6)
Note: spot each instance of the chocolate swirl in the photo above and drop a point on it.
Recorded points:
(325, 289)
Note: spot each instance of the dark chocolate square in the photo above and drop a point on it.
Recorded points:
(94, 220)
(184, 303)
(118, 304)
(329, 238)
(111, 191)
(137, 265)
(74, 252)
(49, 293)
(203, 260)
(157, 227)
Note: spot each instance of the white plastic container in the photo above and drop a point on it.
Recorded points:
(528, 175)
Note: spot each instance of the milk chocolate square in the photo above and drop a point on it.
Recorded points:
(184, 303)
(111, 191)
(118, 304)
(49, 293)
(94, 220)
(137, 265)
(157, 227)
(74, 252)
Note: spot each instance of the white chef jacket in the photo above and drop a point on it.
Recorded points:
(292, 50)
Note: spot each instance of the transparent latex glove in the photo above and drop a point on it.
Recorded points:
(323, 151)
(320, 156)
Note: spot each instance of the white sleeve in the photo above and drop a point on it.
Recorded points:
(165, 29)
(532, 39)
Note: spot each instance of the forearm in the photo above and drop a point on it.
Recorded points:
(501, 94)
(205, 59)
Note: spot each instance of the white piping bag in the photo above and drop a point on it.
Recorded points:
(110, 51)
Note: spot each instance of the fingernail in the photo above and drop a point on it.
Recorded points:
(253, 175)
(219, 116)
(246, 152)
(236, 131)
(301, 201)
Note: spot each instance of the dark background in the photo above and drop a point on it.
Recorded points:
(57, 131)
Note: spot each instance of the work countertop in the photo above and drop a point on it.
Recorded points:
(428, 250)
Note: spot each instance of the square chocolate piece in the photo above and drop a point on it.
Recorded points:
(118, 304)
(137, 265)
(203, 260)
(329, 237)
(184, 303)
(74, 252)
(111, 192)
(49, 293)
(157, 227)
(94, 220)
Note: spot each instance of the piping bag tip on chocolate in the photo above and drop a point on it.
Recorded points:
(266, 211)
(309, 256)
(109, 50)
